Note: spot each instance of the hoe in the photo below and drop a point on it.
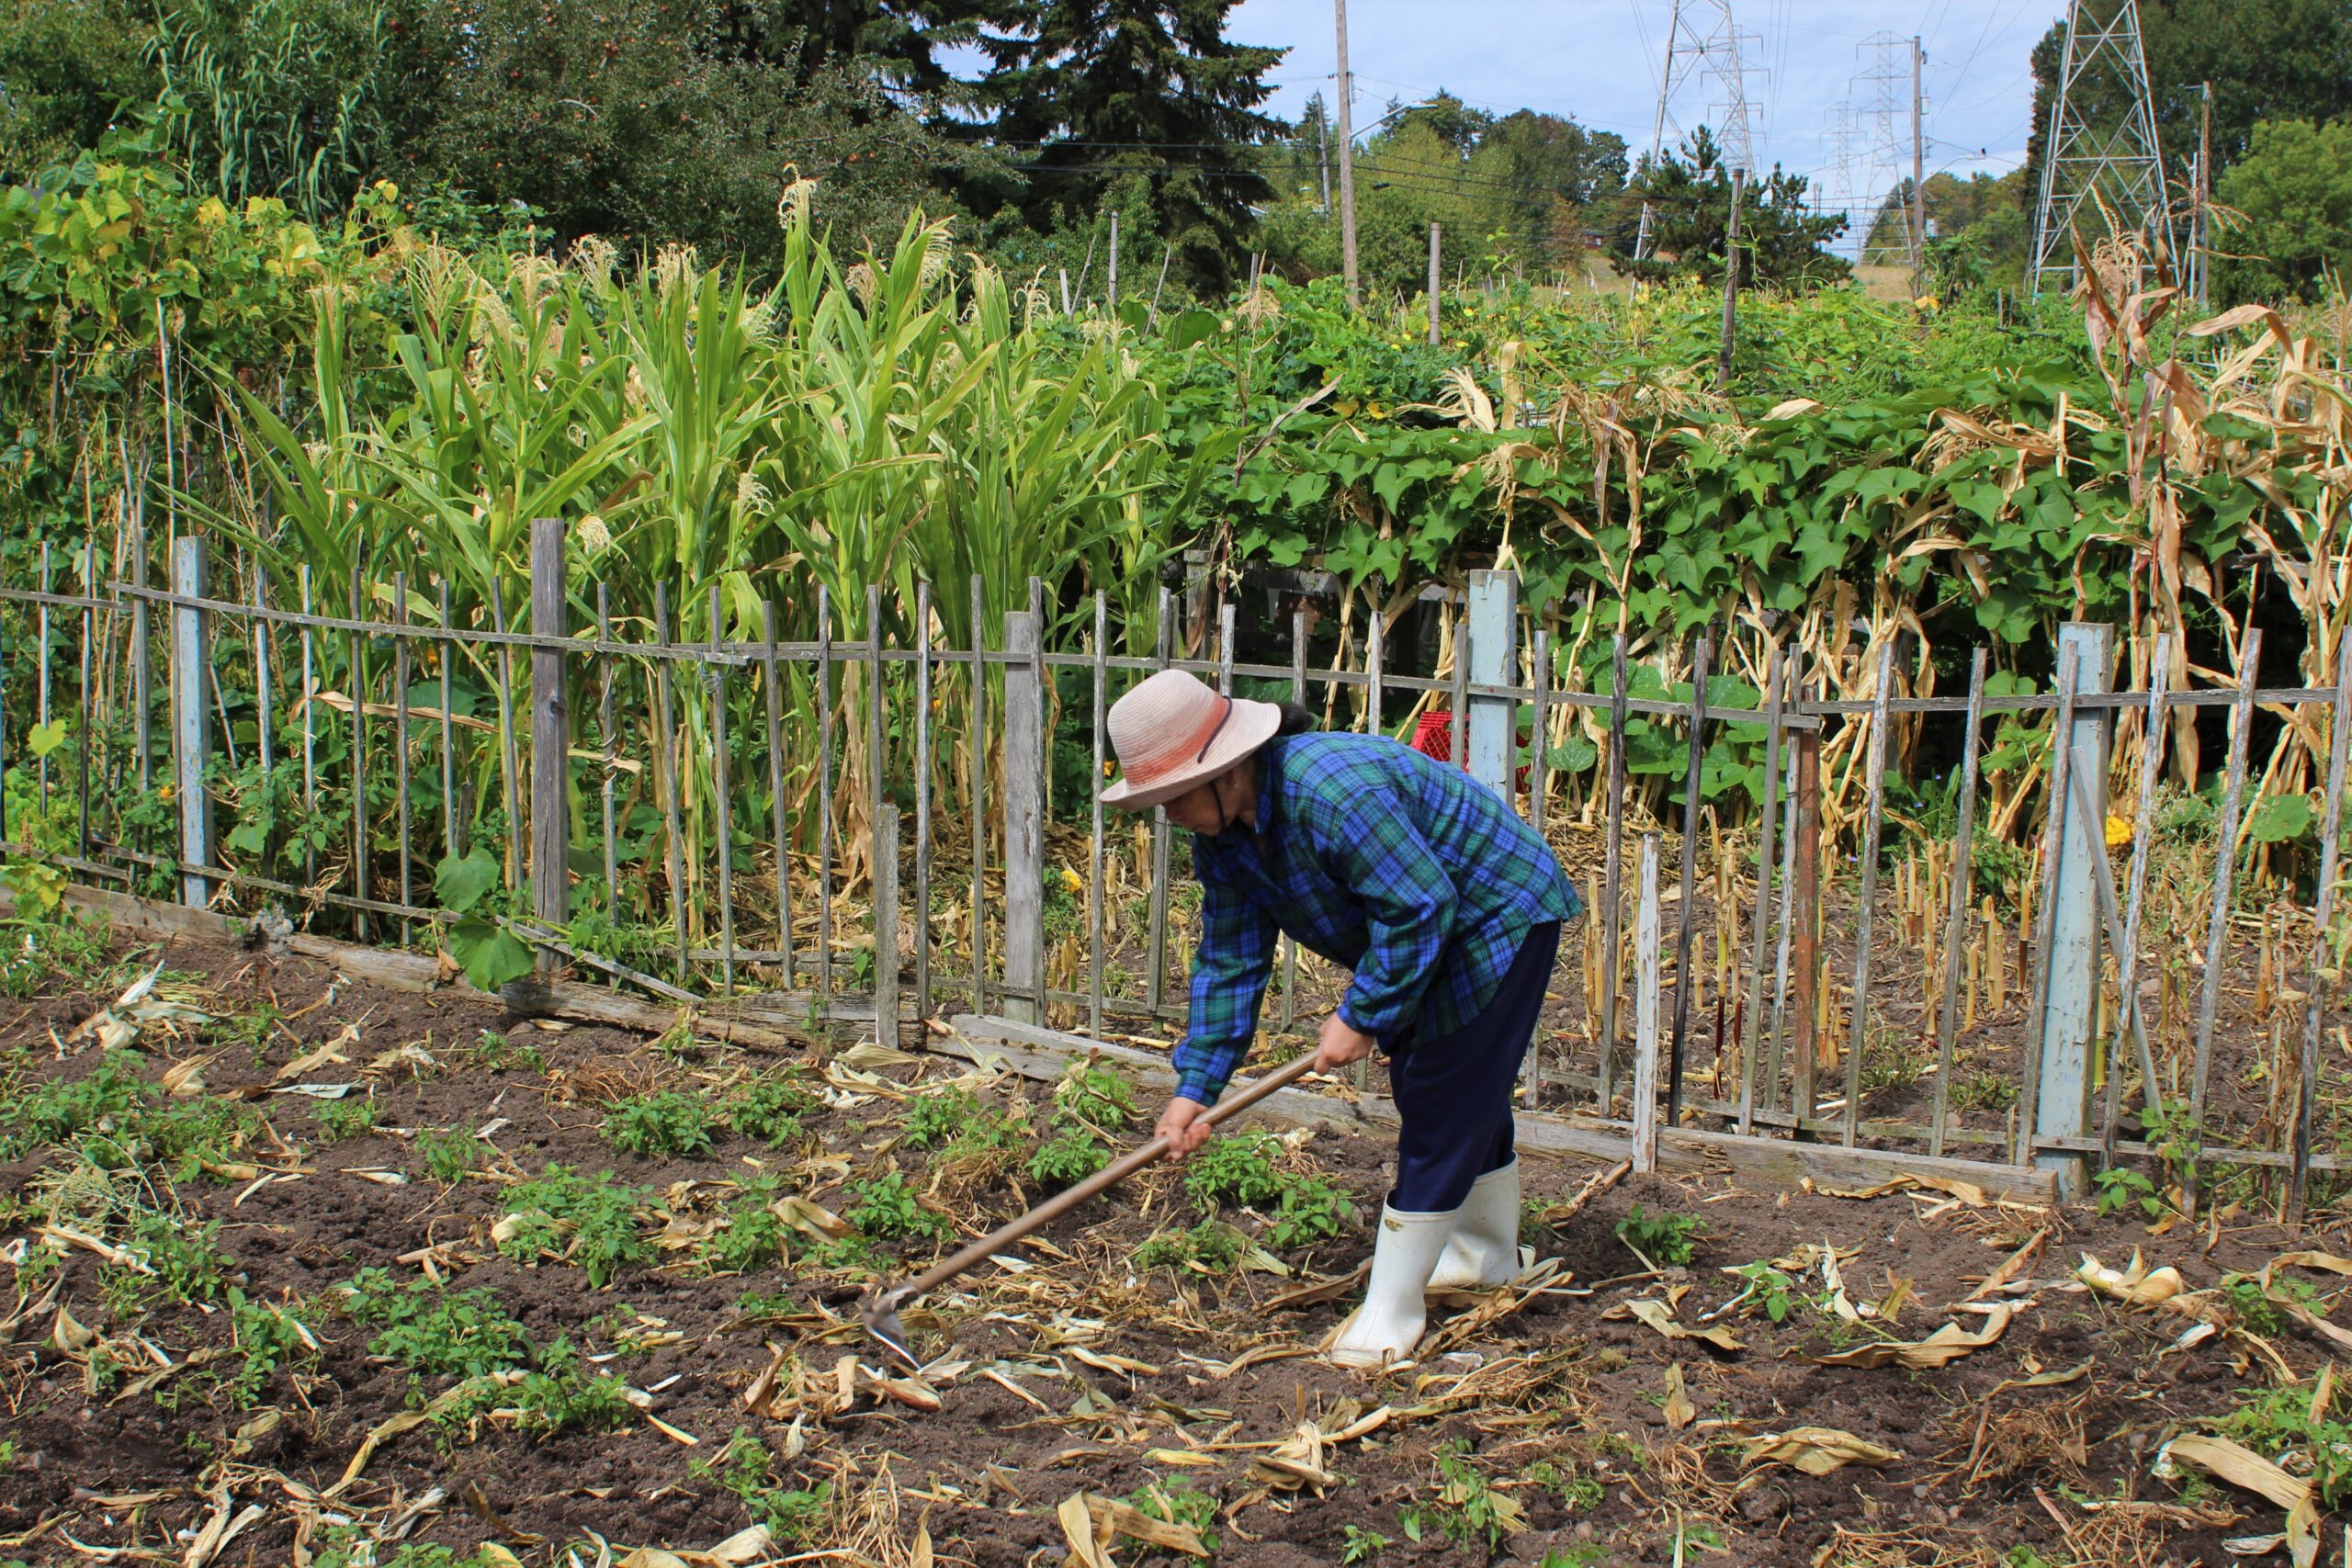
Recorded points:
(881, 1310)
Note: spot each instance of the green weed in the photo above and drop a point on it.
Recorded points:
(1577, 1494)
(265, 1338)
(492, 1052)
(1467, 1510)
(752, 1236)
(769, 1109)
(1209, 1248)
(672, 1123)
(590, 1222)
(1360, 1545)
(1238, 1171)
(1984, 1091)
(1311, 1208)
(2122, 1189)
(939, 1116)
(561, 1394)
(747, 1469)
(1665, 1239)
(888, 1209)
(1177, 1501)
(1767, 1288)
(1095, 1096)
(185, 1260)
(448, 1154)
(2256, 1310)
(423, 1327)
(2279, 1424)
(1069, 1157)
(341, 1119)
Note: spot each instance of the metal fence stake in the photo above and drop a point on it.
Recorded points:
(192, 725)
(1694, 775)
(1866, 911)
(885, 927)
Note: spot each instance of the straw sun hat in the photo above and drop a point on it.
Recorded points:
(1172, 732)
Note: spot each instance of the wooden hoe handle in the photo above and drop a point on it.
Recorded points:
(1110, 1176)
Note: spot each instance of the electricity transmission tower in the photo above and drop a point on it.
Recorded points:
(1833, 193)
(1882, 156)
(1702, 41)
(2101, 152)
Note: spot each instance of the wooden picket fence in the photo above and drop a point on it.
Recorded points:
(596, 739)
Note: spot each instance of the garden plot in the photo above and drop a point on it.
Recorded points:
(302, 1271)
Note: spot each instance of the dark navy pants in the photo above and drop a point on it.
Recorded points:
(1452, 1093)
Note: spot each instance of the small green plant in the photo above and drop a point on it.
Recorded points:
(671, 1123)
(1067, 1158)
(423, 1327)
(939, 1116)
(1984, 1091)
(1177, 1501)
(1360, 1545)
(1092, 1095)
(747, 1469)
(888, 1209)
(1237, 1171)
(264, 1338)
(183, 1258)
(769, 1109)
(1767, 1288)
(2257, 1308)
(2279, 1424)
(561, 1393)
(1209, 1248)
(589, 1221)
(1311, 1208)
(1577, 1494)
(341, 1119)
(1468, 1508)
(751, 1236)
(1668, 1240)
(492, 1052)
(1589, 1554)
(2121, 1188)
(447, 1154)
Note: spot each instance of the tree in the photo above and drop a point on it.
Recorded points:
(2294, 189)
(1781, 238)
(65, 69)
(1537, 176)
(1088, 92)
(646, 123)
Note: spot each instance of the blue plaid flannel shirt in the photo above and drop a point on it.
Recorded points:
(1401, 868)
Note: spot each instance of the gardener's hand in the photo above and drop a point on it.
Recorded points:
(1342, 1045)
(1182, 1126)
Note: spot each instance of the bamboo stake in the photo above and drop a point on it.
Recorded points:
(723, 800)
(2318, 977)
(779, 811)
(1956, 926)
(510, 771)
(1766, 821)
(1874, 793)
(2217, 929)
(1612, 871)
(665, 740)
(923, 763)
(2127, 974)
(610, 742)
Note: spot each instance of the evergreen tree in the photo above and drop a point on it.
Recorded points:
(1087, 97)
(1781, 239)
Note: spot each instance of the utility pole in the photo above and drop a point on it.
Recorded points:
(2200, 241)
(1918, 180)
(1433, 282)
(1347, 161)
(1731, 280)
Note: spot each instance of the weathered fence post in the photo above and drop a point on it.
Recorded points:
(191, 719)
(2317, 985)
(1493, 659)
(1024, 824)
(1804, 922)
(885, 927)
(2074, 963)
(1646, 957)
(551, 735)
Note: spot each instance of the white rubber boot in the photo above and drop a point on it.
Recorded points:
(1483, 1251)
(1388, 1325)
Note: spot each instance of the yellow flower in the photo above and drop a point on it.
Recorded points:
(2119, 831)
(1070, 883)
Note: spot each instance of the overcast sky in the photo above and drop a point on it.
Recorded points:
(1598, 61)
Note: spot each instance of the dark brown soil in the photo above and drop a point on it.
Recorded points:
(1562, 1404)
